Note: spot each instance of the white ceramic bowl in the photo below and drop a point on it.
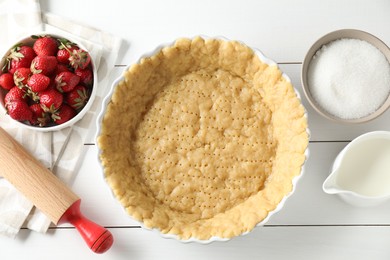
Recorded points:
(295, 180)
(29, 41)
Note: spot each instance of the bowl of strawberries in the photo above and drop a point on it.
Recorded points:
(47, 82)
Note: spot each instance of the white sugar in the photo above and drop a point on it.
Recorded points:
(349, 78)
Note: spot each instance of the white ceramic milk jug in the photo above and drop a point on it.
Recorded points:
(361, 172)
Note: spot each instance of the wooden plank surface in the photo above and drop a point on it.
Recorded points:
(335, 242)
(312, 225)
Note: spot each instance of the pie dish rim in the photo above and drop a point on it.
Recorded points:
(107, 100)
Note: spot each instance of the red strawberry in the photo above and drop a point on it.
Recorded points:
(37, 110)
(66, 81)
(7, 81)
(63, 54)
(44, 64)
(85, 76)
(77, 98)
(19, 110)
(45, 46)
(65, 50)
(21, 76)
(15, 93)
(40, 117)
(62, 68)
(20, 57)
(14, 65)
(38, 82)
(50, 100)
(79, 59)
(27, 53)
(64, 114)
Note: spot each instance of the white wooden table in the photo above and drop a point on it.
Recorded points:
(312, 225)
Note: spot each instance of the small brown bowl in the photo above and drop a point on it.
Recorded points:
(332, 36)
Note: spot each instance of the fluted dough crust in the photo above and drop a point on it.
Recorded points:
(203, 139)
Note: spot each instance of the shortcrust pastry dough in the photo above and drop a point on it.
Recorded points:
(202, 139)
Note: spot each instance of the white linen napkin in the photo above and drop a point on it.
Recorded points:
(61, 151)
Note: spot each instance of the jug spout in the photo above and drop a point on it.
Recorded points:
(330, 184)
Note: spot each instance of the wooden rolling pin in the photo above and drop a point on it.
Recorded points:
(47, 192)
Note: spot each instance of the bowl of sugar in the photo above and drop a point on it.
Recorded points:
(346, 76)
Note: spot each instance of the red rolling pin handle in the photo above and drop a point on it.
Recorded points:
(97, 237)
